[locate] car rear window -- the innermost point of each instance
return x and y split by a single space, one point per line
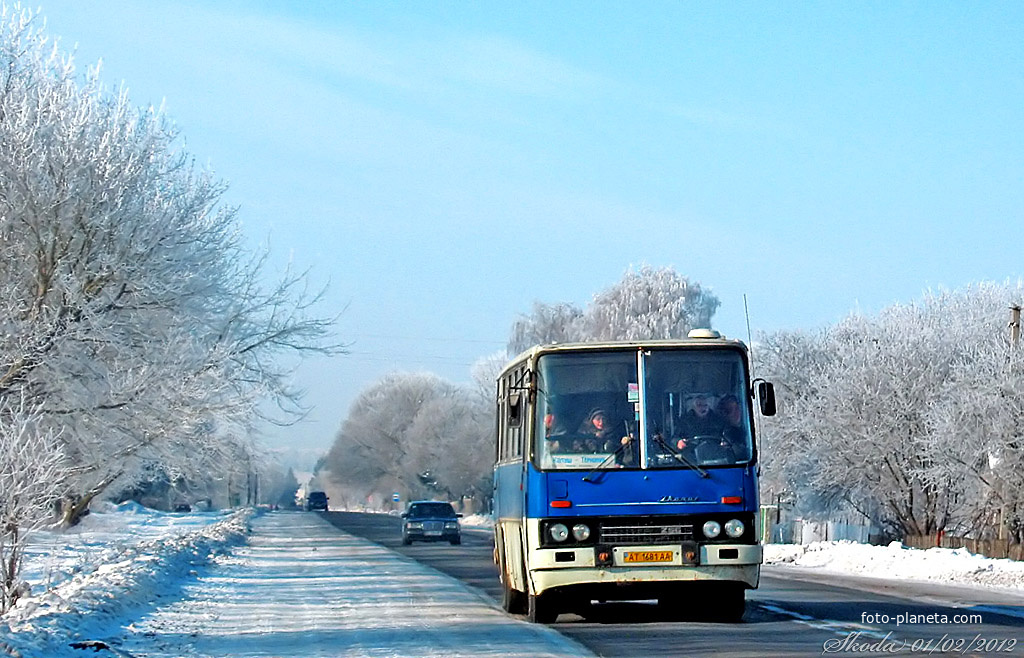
432 509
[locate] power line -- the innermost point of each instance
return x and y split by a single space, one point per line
430 338
415 358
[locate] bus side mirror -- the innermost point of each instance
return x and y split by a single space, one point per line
766 396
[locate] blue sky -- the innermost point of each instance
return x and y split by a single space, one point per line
444 164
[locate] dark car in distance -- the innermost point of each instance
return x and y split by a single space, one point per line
431 520
316 500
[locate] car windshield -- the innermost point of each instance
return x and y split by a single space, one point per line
424 510
695 406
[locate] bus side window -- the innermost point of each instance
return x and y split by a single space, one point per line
515 410
512 410
504 430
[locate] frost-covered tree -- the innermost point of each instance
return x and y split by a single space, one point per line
130 314
451 443
977 424
484 373
33 473
279 487
554 323
371 448
416 434
647 303
910 416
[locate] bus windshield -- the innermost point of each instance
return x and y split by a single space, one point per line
697 408
693 409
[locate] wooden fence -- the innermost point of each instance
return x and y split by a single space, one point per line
998 548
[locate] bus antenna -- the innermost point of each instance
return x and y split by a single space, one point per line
750 350
750 340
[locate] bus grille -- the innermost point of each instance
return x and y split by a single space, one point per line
621 531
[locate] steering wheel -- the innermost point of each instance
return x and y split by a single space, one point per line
702 439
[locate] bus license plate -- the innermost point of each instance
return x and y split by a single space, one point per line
647 556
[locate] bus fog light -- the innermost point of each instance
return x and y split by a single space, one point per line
712 529
734 528
581 532
558 532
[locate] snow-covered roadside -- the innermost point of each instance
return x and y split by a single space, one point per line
123 575
54 556
300 588
940 565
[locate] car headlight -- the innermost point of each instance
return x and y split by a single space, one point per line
414 525
451 525
712 529
559 532
734 528
581 532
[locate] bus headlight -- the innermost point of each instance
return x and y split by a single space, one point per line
558 532
712 529
734 528
581 532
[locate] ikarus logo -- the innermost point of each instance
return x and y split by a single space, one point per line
678 499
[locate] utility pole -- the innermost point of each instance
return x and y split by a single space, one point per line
1014 341
1014 325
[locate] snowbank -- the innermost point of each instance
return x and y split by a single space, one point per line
478 521
123 572
944 565
53 556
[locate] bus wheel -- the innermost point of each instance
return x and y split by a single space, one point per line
540 609
512 601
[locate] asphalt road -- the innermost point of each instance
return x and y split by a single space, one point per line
791 614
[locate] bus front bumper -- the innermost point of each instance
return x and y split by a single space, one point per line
551 568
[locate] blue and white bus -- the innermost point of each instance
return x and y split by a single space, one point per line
658 500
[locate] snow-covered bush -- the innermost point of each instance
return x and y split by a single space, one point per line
33 473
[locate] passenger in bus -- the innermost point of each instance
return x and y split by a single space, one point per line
732 420
733 430
554 432
596 433
699 421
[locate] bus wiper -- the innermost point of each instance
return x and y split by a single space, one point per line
682 459
604 462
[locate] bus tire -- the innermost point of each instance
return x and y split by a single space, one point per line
512 601
541 609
